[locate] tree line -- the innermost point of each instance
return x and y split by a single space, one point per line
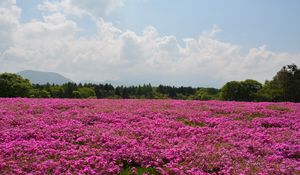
285 86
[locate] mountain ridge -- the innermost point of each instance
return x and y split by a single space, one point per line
39 77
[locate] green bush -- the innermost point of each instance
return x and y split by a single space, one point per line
12 85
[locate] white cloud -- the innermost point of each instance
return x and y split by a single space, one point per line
95 8
213 32
9 21
51 44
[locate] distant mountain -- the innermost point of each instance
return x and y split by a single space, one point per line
37 77
89 82
115 83
112 82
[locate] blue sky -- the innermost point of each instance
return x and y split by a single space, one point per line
246 23
178 42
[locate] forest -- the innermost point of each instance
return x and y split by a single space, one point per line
285 86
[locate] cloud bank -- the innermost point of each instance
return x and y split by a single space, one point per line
51 44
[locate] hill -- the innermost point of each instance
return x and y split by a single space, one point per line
37 77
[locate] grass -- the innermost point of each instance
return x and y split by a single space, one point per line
251 116
278 108
190 123
133 168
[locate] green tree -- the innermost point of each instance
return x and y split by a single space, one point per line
56 91
288 80
76 94
205 94
84 92
68 89
269 92
232 91
37 93
12 85
146 91
250 88
240 91
117 91
125 93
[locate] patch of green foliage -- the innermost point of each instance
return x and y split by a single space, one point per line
190 123
253 116
128 169
250 116
13 85
278 108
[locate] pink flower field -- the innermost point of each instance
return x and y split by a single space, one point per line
57 136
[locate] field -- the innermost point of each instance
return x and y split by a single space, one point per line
56 136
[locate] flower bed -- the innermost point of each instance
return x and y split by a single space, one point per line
60 136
